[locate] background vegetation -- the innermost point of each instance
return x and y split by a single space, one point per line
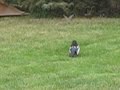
34 54
57 8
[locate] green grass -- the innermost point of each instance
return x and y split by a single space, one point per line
34 54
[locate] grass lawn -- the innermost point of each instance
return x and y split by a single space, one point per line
34 54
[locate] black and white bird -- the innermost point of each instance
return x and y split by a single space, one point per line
74 49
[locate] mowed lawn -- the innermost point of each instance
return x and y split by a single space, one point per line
34 54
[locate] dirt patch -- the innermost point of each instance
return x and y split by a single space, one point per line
6 10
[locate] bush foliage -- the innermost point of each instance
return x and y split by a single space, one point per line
58 8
